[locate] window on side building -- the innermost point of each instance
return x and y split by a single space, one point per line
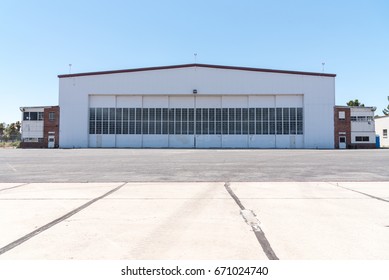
385 133
33 116
361 118
362 139
51 116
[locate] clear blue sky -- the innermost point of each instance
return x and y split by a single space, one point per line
39 39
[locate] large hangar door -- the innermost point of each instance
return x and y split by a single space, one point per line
254 121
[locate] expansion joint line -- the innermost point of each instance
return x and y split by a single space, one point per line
56 221
14 187
366 194
251 219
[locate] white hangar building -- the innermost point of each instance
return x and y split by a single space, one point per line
197 106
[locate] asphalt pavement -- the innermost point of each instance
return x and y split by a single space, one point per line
188 165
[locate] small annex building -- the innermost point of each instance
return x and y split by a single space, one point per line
382 128
354 127
40 127
197 106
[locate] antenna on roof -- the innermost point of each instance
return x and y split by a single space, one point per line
322 64
195 57
70 68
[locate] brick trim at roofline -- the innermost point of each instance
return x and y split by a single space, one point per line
196 65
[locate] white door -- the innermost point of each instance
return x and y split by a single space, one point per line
99 141
342 142
293 142
51 141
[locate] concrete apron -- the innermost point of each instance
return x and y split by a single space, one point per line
196 221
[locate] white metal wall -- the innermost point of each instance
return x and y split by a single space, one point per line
32 128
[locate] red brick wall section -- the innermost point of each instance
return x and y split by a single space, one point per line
342 126
362 146
51 125
32 145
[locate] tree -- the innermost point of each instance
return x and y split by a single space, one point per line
355 103
386 110
12 132
18 125
2 128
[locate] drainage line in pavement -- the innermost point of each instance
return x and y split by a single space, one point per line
259 234
369 195
18 186
53 223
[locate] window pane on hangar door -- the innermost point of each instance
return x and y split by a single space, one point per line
236 109
181 115
126 106
208 115
155 114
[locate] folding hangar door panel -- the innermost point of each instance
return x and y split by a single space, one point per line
235 121
289 121
100 111
181 121
276 121
155 122
208 122
261 121
129 125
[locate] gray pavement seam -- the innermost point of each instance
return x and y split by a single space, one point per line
56 221
259 234
14 187
366 194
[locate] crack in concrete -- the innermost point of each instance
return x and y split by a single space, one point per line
56 221
251 219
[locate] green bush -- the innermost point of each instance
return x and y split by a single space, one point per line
14 144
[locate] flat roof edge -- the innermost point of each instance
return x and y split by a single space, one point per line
196 65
